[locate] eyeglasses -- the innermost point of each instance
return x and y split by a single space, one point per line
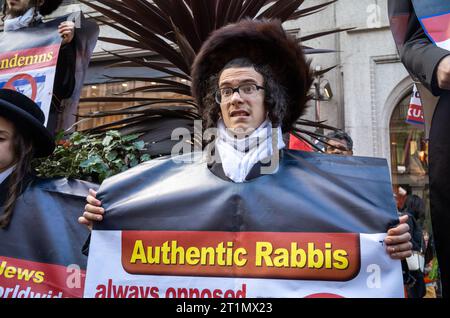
225 94
337 147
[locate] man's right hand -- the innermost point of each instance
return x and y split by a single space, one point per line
443 73
93 211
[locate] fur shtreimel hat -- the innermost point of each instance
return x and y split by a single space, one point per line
264 42
49 6
26 115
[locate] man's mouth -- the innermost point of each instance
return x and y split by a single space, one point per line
239 113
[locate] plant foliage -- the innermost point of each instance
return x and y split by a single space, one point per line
92 157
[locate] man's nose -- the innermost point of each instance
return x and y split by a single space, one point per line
236 97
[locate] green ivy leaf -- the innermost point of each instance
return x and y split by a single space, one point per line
113 133
131 157
145 158
107 141
92 157
134 163
92 161
132 137
139 145
111 156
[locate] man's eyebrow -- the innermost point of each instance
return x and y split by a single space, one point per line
245 81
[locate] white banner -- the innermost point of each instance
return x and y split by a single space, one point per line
28 64
361 269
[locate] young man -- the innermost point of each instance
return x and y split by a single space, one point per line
19 14
251 82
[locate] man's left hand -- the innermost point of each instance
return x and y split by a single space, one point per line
67 31
397 242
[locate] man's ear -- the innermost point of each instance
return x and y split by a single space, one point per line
40 2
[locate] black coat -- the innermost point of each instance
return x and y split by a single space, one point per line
4 186
44 227
64 83
421 57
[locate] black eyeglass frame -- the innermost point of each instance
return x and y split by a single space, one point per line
237 89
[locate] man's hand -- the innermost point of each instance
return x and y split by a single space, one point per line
93 211
397 242
443 73
67 31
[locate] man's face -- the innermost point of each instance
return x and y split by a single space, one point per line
6 144
340 147
17 7
242 113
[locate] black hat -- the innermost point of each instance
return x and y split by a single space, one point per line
49 6
27 115
264 42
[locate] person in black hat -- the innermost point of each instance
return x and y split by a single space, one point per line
18 14
23 137
251 81
38 228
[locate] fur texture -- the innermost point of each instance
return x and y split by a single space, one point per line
264 42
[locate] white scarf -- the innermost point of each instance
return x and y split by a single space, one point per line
23 21
238 156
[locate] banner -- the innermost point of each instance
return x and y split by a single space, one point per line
28 59
41 250
434 16
415 110
313 229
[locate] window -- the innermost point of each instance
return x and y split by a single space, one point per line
409 155
113 90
